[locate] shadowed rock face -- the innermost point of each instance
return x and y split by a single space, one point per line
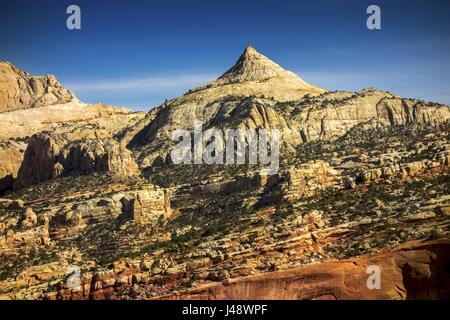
20 90
11 155
49 156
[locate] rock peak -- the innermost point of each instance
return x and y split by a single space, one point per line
254 74
253 66
249 49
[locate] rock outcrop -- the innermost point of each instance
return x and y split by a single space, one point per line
50 155
412 271
308 178
20 90
146 205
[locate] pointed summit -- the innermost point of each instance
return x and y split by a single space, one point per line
249 49
254 74
253 66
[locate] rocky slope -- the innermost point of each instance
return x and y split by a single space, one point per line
254 73
21 124
205 227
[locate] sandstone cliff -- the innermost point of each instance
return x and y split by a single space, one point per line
49 156
412 271
20 90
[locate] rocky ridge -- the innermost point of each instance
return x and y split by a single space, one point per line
20 90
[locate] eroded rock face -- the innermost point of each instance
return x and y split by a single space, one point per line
20 90
309 178
11 155
146 206
398 111
73 120
412 271
50 155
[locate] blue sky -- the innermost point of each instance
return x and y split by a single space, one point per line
138 53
